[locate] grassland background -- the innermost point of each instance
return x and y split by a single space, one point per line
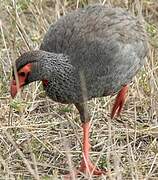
41 139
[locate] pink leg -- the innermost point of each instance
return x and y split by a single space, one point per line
119 102
86 165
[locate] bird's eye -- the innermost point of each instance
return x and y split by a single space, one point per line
22 74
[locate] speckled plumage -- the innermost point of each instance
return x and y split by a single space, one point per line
103 46
91 52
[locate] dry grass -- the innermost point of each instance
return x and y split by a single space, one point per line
40 139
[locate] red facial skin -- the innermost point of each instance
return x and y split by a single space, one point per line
22 74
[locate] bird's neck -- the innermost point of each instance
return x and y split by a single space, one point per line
48 66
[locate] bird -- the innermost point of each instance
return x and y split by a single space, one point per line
88 53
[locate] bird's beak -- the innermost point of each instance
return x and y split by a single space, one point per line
13 88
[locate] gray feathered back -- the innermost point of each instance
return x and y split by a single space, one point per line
107 44
103 46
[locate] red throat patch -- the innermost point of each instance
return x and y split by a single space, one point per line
45 82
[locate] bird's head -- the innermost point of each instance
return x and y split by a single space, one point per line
26 70
37 65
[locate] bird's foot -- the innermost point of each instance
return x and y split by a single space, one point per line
119 102
90 169
86 168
